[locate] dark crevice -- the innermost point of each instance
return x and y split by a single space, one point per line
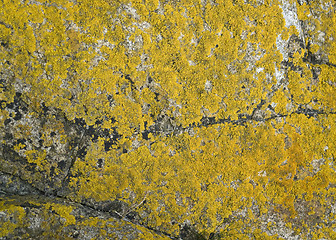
189 233
80 143
37 190
287 64
312 59
242 120
7 25
105 210
80 153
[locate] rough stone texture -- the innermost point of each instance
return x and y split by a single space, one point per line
42 217
74 165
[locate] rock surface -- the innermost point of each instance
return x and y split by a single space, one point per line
167 119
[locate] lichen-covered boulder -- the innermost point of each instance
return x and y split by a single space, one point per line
171 119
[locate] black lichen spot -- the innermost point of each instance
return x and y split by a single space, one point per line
61 165
115 135
113 120
82 153
262 102
206 121
156 96
31 167
29 205
52 171
44 108
7 121
98 122
18 94
100 163
110 99
145 135
18 116
4 44
52 134
108 144
21 141
91 131
24 109
80 122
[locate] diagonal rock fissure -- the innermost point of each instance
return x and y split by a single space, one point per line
35 191
242 119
